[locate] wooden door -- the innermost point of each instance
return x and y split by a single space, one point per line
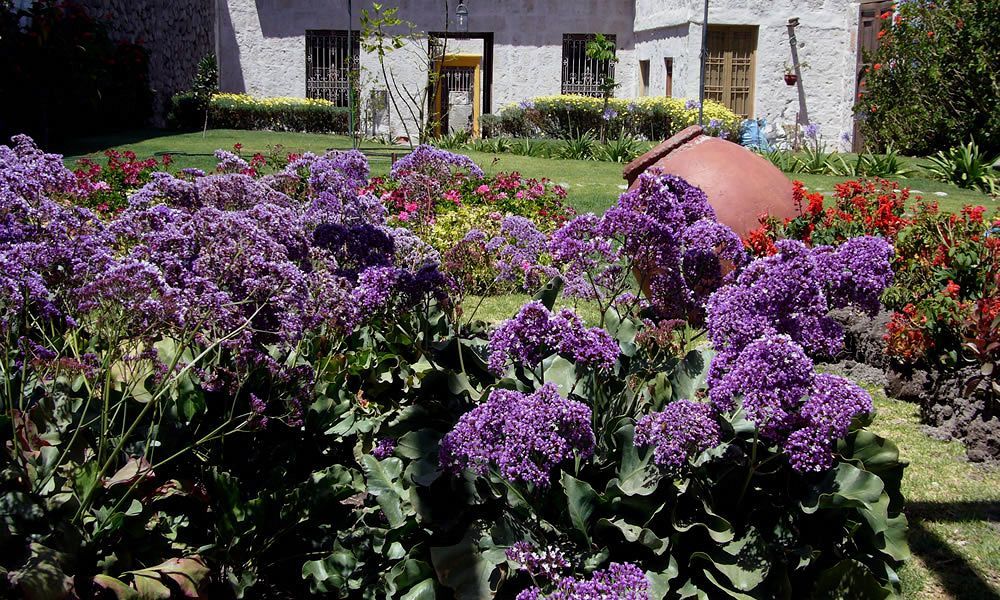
729 67
869 25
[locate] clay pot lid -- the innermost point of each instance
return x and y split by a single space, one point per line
647 160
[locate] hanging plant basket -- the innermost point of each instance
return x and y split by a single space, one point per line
791 78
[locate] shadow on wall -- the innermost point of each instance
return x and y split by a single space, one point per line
230 67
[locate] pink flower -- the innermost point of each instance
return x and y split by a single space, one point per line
411 207
403 216
454 196
482 189
519 195
502 195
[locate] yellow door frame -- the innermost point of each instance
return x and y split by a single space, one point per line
460 60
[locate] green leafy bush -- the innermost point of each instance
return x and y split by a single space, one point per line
238 111
934 82
966 167
228 390
650 118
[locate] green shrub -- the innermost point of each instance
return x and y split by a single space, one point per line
934 81
239 111
185 111
567 116
967 167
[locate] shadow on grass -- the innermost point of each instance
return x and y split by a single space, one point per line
954 572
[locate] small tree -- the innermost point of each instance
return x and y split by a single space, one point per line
378 37
206 85
602 49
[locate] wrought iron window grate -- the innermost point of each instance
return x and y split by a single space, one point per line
329 64
581 74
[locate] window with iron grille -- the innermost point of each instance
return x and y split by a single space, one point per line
581 74
329 64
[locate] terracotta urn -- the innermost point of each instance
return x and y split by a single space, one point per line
740 185
791 78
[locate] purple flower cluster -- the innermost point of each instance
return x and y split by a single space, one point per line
523 436
535 333
546 562
620 581
517 249
678 433
220 255
665 232
434 162
384 448
767 324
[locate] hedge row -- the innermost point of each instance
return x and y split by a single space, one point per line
240 111
570 116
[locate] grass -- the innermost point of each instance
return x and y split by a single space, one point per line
591 185
953 506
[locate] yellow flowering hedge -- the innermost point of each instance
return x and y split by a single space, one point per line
241 111
651 117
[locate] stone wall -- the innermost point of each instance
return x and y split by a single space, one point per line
176 33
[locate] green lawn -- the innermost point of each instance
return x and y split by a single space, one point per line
953 506
592 185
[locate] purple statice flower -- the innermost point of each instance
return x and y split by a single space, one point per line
589 262
808 450
714 124
649 223
773 375
30 174
812 131
523 436
620 581
692 104
230 163
545 562
355 248
856 272
788 291
678 433
609 114
384 448
375 290
441 164
518 249
132 294
258 412
526 104
535 333
193 172
411 252
834 403
337 172
710 249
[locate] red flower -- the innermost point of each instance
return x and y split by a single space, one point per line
877 66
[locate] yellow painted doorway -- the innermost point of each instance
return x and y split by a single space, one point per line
458 94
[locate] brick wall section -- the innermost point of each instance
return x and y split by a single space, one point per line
177 35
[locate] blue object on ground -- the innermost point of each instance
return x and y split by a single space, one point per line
752 134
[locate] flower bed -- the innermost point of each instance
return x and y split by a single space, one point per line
944 327
569 116
257 385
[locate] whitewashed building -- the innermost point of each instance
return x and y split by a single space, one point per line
509 51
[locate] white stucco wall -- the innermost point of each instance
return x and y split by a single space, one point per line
262 43
826 40
262 48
